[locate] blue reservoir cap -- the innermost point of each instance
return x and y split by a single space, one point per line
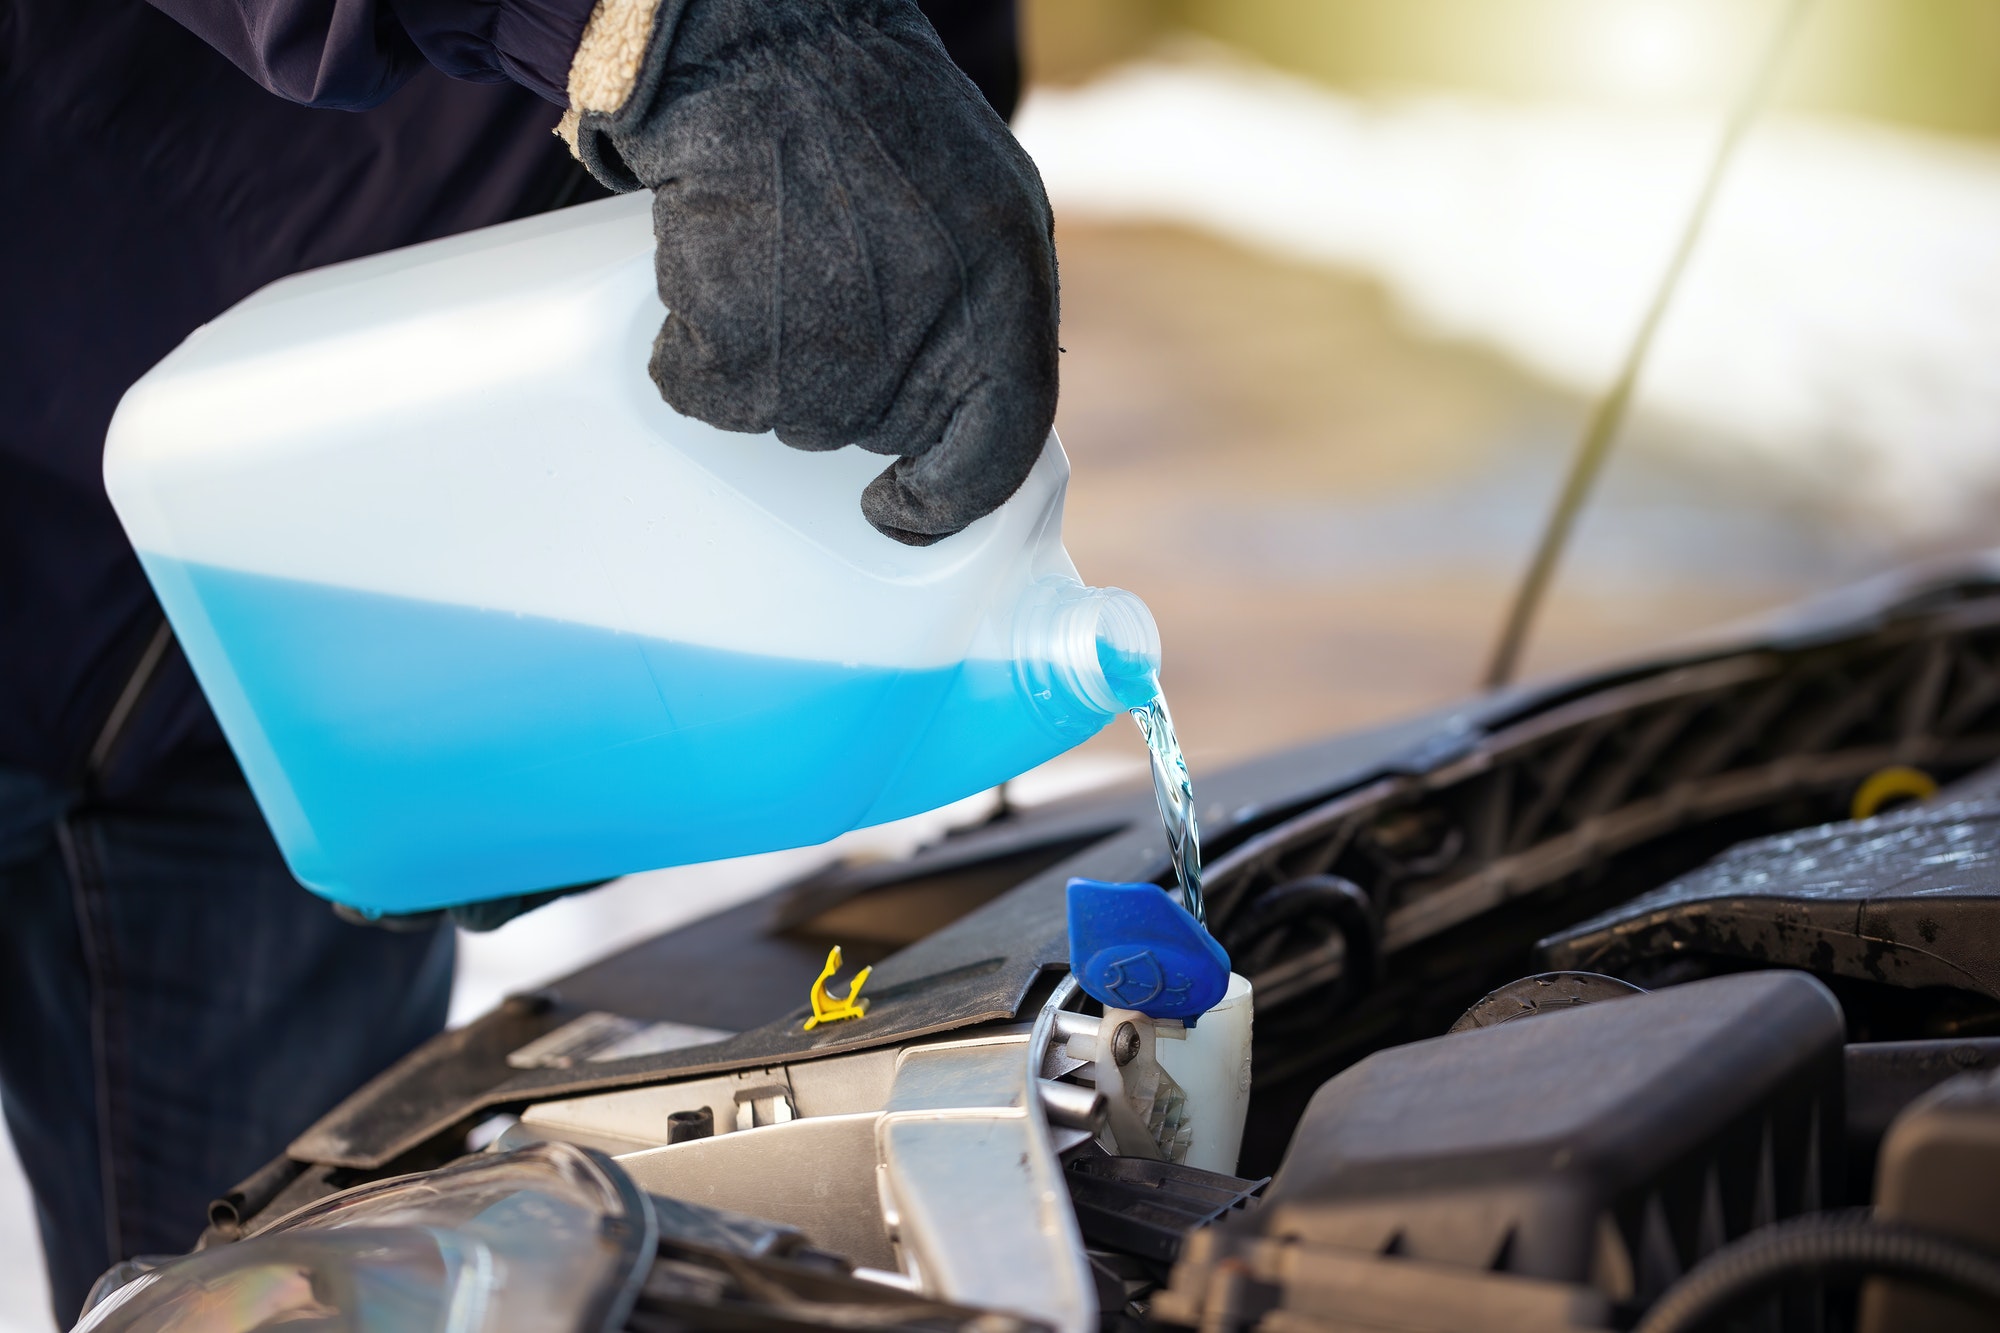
1133 947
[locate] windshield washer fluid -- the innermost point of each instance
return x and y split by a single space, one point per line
481 615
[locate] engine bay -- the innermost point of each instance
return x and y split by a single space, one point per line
1565 1009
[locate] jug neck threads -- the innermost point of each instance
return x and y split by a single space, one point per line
1086 653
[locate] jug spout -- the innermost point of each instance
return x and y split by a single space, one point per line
1086 653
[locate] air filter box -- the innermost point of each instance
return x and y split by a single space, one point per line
1538 1174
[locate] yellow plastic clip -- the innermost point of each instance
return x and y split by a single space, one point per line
827 1009
1896 783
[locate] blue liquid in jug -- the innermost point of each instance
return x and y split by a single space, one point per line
410 754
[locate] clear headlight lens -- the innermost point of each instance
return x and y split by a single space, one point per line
548 1239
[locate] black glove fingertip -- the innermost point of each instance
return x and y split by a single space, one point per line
890 508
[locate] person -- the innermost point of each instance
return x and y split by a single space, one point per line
853 251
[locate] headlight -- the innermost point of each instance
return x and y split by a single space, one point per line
548 1239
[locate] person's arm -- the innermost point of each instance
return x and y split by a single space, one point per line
852 248
351 54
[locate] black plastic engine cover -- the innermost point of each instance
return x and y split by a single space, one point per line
1910 898
1602 1149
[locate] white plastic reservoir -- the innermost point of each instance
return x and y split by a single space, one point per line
481 615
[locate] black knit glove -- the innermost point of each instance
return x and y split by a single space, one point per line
852 248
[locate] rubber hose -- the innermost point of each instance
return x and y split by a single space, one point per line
1850 1243
1330 898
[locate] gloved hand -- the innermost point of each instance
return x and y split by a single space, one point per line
852 248
479 917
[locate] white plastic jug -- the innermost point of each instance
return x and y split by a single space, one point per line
481 615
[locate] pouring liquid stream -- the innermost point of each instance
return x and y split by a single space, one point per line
1174 791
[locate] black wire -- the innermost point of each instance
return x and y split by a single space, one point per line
1824 1245
1609 414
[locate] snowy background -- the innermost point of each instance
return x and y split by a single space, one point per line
1840 318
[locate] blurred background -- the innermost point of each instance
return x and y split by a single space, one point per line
1341 279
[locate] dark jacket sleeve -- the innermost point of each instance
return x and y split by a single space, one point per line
351 54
